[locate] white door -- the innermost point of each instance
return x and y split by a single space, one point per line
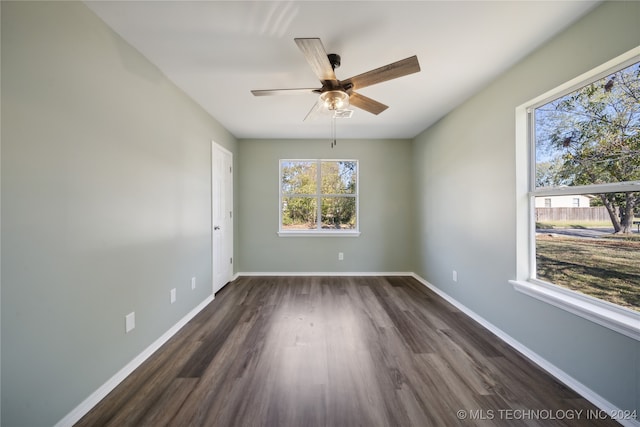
222 215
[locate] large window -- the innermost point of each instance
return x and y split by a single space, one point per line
318 197
582 199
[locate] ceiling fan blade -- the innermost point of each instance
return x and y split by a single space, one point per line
366 103
269 92
387 72
316 56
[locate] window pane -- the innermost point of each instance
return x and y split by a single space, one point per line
339 177
299 177
591 135
339 213
299 213
593 249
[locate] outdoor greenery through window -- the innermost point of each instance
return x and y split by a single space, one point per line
318 195
586 188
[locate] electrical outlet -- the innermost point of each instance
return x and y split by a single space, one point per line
193 283
129 322
455 276
340 256
173 295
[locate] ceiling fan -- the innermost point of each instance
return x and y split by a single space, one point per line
336 95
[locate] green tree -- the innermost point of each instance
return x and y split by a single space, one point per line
593 135
547 173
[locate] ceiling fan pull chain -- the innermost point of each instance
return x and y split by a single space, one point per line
333 131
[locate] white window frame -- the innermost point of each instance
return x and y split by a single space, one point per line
319 232
612 316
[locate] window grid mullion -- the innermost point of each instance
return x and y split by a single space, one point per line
319 195
613 187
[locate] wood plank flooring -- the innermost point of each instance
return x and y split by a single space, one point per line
337 351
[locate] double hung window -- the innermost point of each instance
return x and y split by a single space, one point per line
318 197
580 248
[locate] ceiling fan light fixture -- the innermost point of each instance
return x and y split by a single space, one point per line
335 99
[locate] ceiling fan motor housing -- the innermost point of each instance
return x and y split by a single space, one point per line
334 59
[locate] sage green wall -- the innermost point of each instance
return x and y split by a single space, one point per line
106 205
385 209
464 173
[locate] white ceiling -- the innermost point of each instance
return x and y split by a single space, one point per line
217 51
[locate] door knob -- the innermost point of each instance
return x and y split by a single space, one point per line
216 227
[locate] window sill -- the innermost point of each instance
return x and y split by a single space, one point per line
308 233
609 315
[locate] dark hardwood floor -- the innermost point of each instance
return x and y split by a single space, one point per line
337 351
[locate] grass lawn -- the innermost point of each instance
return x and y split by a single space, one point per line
573 224
607 268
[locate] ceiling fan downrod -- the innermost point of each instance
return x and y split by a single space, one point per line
334 60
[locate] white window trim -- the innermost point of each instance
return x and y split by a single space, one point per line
320 233
612 316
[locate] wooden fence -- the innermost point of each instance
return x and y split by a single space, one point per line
598 213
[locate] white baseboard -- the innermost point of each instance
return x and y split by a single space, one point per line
584 391
324 273
79 411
